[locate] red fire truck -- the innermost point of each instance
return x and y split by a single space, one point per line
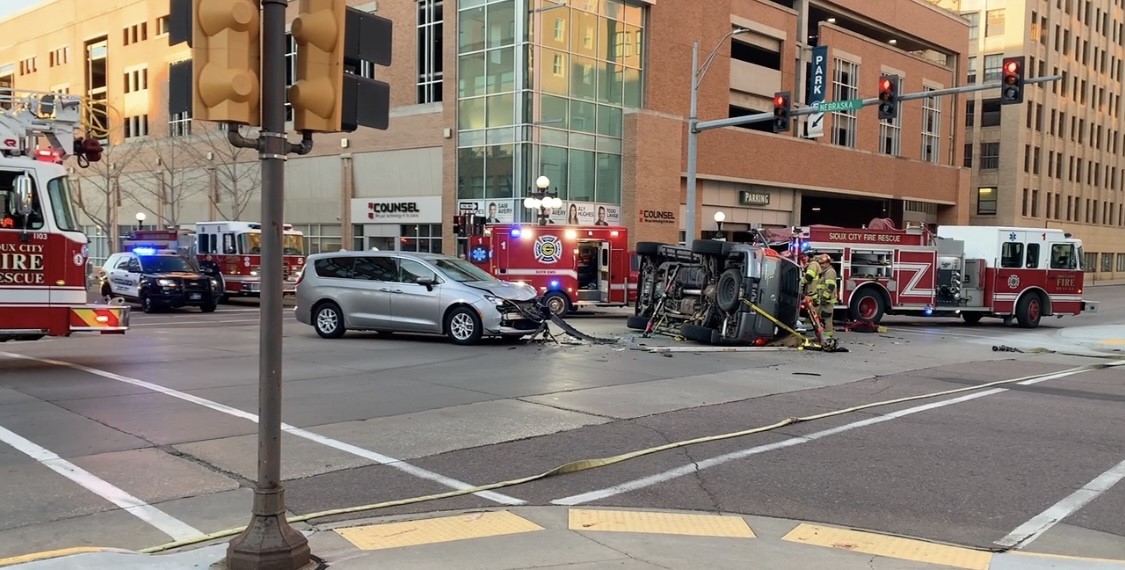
571 266
234 250
967 271
44 275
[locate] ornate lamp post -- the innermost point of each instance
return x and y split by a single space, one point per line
543 200
720 217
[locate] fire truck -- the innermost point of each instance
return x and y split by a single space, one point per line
44 271
233 251
570 266
966 271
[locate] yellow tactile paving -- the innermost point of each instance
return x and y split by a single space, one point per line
431 531
659 523
890 546
46 555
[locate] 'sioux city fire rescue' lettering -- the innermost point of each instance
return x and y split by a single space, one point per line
864 237
21 264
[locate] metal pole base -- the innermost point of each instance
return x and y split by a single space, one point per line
269 543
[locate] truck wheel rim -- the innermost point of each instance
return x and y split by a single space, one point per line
556 305
1033 309
461 325
326 320
867 307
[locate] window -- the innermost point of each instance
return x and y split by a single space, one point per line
60 192
162 25
986 201
993 23
889 137
1011 255
179 124
136 126
968 155
136 80
974 24
989 155
60 56
1089 262
1062 256
376 269
970 113
971 76
28 66
1121 262
931 128
844 87
290 72
9 212
410 271
1107 262
992 66
335 267
425 238
430 50
1032 256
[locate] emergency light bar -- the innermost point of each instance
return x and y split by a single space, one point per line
144 250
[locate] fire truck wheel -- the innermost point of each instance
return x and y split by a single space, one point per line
867 305
463 326
1029 311
972 318
328 320
728 289
557 303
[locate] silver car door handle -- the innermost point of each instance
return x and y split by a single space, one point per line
397 291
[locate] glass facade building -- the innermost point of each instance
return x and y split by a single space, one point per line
541 91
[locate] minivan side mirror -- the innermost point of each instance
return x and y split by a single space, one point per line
427 281
23 195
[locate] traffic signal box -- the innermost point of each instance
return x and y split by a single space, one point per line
332 42
782 107
888 97
1011 86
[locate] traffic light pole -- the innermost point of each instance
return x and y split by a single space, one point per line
268 541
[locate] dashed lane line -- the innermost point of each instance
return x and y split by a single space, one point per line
159 519
375 457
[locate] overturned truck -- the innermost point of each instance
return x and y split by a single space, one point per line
717 292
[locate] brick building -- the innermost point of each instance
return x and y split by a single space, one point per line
1056 161
488 95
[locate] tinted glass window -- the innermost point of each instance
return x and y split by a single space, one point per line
165 264
123 263
411 271
376 268
1032 256
334 267
1011 255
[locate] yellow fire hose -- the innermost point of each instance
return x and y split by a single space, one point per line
588 464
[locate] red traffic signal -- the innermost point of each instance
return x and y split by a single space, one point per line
778 101
782 106
885 86
1011 88
888 97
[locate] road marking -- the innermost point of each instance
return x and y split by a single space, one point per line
691 468
889 546
722 526
186 323
49 554
432 531
163 522
327 441
1041 523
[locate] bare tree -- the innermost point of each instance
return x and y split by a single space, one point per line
234 174
165 176
98 189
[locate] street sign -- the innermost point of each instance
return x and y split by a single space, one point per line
815 91
837 106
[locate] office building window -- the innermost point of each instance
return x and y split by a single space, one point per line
986 201
989 155
889 138
992 64
424 238
994 23
844 86
430 50
931 128
974 24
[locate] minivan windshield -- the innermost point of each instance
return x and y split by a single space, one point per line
461 271
165 264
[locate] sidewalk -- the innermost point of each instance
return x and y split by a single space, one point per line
1105 283
584 538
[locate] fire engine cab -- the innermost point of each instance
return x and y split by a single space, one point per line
570 266
44 274
233 250
967 271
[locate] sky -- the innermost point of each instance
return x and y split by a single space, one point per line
8 7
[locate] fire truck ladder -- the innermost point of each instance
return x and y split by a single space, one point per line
25 116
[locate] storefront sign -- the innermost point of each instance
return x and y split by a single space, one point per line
587 214
494 211
21 264
747 198
657 217
397 210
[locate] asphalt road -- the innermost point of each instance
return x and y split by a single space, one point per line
162 421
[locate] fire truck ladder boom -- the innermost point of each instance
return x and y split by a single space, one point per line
27 115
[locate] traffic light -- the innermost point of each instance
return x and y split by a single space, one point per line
333 41
782 106
888 97
222 78
1011 87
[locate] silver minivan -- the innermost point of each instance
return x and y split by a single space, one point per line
394 291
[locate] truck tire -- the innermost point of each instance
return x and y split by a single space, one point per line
1029 311
637 323
867 305
727 290
648 248
972 318
711 247
558 303
697 333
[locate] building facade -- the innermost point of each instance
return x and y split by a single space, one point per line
1056 161
490 95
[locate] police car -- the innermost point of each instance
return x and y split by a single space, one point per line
159 279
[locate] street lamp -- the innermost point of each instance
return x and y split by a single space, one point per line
697 74
140 220
543 200
720 217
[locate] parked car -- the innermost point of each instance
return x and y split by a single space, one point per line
159 279
393 291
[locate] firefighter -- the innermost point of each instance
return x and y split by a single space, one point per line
812 273
824 291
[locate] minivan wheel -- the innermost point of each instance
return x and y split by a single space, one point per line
464 326
328 321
